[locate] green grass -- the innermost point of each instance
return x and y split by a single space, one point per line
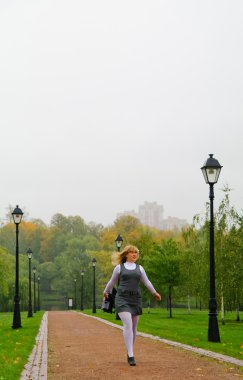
16 345
189 329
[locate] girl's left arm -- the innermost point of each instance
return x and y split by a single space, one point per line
148 284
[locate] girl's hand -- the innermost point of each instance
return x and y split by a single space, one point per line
106 295
157 296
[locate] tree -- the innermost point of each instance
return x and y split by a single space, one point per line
6 279
194 261
72 225
163 267
228 252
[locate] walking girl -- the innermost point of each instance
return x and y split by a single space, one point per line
128 300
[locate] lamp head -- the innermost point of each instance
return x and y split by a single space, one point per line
94 262
17 215
211 170
29 253
119 241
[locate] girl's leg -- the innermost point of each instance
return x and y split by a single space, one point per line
135 319
126 318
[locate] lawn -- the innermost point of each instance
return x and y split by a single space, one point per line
189 329
16 345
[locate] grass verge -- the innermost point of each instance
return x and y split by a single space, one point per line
16 345
189 329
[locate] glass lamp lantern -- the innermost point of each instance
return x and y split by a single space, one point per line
29 253
17 215
211 170
119 241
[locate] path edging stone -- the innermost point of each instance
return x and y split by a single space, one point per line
36 367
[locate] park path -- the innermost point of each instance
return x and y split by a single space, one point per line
80 347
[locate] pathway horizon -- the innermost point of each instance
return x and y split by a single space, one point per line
83 347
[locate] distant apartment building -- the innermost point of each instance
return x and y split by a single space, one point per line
151 214
125 213
173 223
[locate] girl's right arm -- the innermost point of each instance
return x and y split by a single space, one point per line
113 280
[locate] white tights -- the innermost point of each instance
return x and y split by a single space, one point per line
130 323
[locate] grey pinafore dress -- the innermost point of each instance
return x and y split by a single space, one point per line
128 296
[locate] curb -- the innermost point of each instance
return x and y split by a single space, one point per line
200 351
36 367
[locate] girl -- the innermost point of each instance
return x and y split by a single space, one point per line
128 298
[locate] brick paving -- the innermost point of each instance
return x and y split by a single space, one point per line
80 347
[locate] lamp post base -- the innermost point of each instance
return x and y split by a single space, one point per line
213 328
16 317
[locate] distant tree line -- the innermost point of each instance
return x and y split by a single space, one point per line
177 262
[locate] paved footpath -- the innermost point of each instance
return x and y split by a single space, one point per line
84 348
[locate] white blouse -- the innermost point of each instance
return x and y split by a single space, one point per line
130 266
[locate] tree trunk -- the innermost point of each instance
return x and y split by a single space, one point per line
238 314
222 306
189 303
170 306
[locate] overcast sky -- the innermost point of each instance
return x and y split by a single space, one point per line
107 104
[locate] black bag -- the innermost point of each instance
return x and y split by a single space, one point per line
106 306
109 304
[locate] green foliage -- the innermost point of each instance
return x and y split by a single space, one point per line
195 262
6 267
71 225
69 265
145 242
6 279
48 272
126 225
7 237
228 253
162 265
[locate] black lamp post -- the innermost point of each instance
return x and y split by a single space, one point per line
211 170
75 293
17 217
118 242
12 294
82 290
38 299
30 313
35 306
94 303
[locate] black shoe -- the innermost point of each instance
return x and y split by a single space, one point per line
131 360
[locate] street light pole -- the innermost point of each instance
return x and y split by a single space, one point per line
211 170
82 291
94 292
38 300
118 242
30 313
17 217
35 307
